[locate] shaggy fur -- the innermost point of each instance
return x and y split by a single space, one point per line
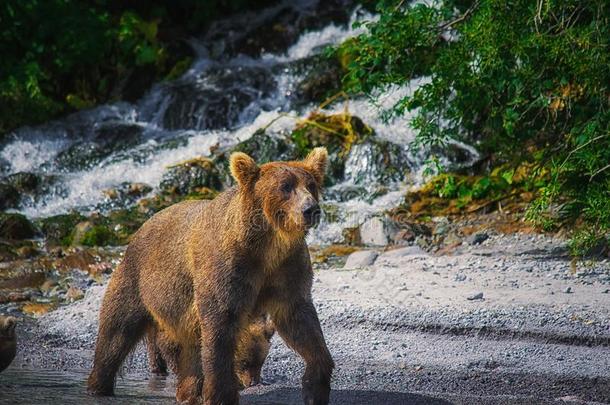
199 270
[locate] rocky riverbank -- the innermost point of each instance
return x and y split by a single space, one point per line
507 320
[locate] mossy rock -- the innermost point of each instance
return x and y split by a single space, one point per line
321 79
263 147
57 229
87 233
187 177
337 132
24 182
16 227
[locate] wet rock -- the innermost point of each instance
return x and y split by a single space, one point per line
478 238
58 229
361 259
263 147
107 138
375 161
124 194
16 227
190 176
9 196
460 157
24 182
275 30
217 99
23 188
322 79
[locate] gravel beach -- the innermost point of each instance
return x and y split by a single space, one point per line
509 320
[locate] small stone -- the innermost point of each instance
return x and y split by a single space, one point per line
360 259
477 296
478 238
606 291
568 290
460 277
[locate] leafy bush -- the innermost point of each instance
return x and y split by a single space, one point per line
523 79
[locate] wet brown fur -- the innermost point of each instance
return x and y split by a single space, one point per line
198 271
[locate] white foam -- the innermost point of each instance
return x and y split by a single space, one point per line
311 41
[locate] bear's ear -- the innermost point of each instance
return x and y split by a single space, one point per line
316 163
243 169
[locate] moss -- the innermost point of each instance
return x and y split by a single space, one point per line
99 235
58 229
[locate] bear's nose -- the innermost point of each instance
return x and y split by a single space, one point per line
311 213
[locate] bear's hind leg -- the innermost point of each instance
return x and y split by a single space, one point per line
156 361
122 324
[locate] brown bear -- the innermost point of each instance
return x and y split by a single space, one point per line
252 349
199 270
8 341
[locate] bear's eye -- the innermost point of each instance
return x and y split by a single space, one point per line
286 187
311 186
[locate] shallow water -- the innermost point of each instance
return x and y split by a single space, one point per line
28 386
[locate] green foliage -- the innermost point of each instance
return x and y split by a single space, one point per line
523 79
99 235
62 55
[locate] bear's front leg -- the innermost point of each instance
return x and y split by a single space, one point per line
221 317
297 323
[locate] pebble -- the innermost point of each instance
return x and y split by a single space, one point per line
568 290
478 238
477 296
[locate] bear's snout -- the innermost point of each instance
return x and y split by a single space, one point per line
311 213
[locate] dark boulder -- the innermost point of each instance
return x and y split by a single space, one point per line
191 176
16 227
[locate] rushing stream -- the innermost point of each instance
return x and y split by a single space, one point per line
218 102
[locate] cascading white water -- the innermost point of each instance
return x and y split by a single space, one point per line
254 92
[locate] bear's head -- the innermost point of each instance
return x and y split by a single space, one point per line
252 350
287 193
